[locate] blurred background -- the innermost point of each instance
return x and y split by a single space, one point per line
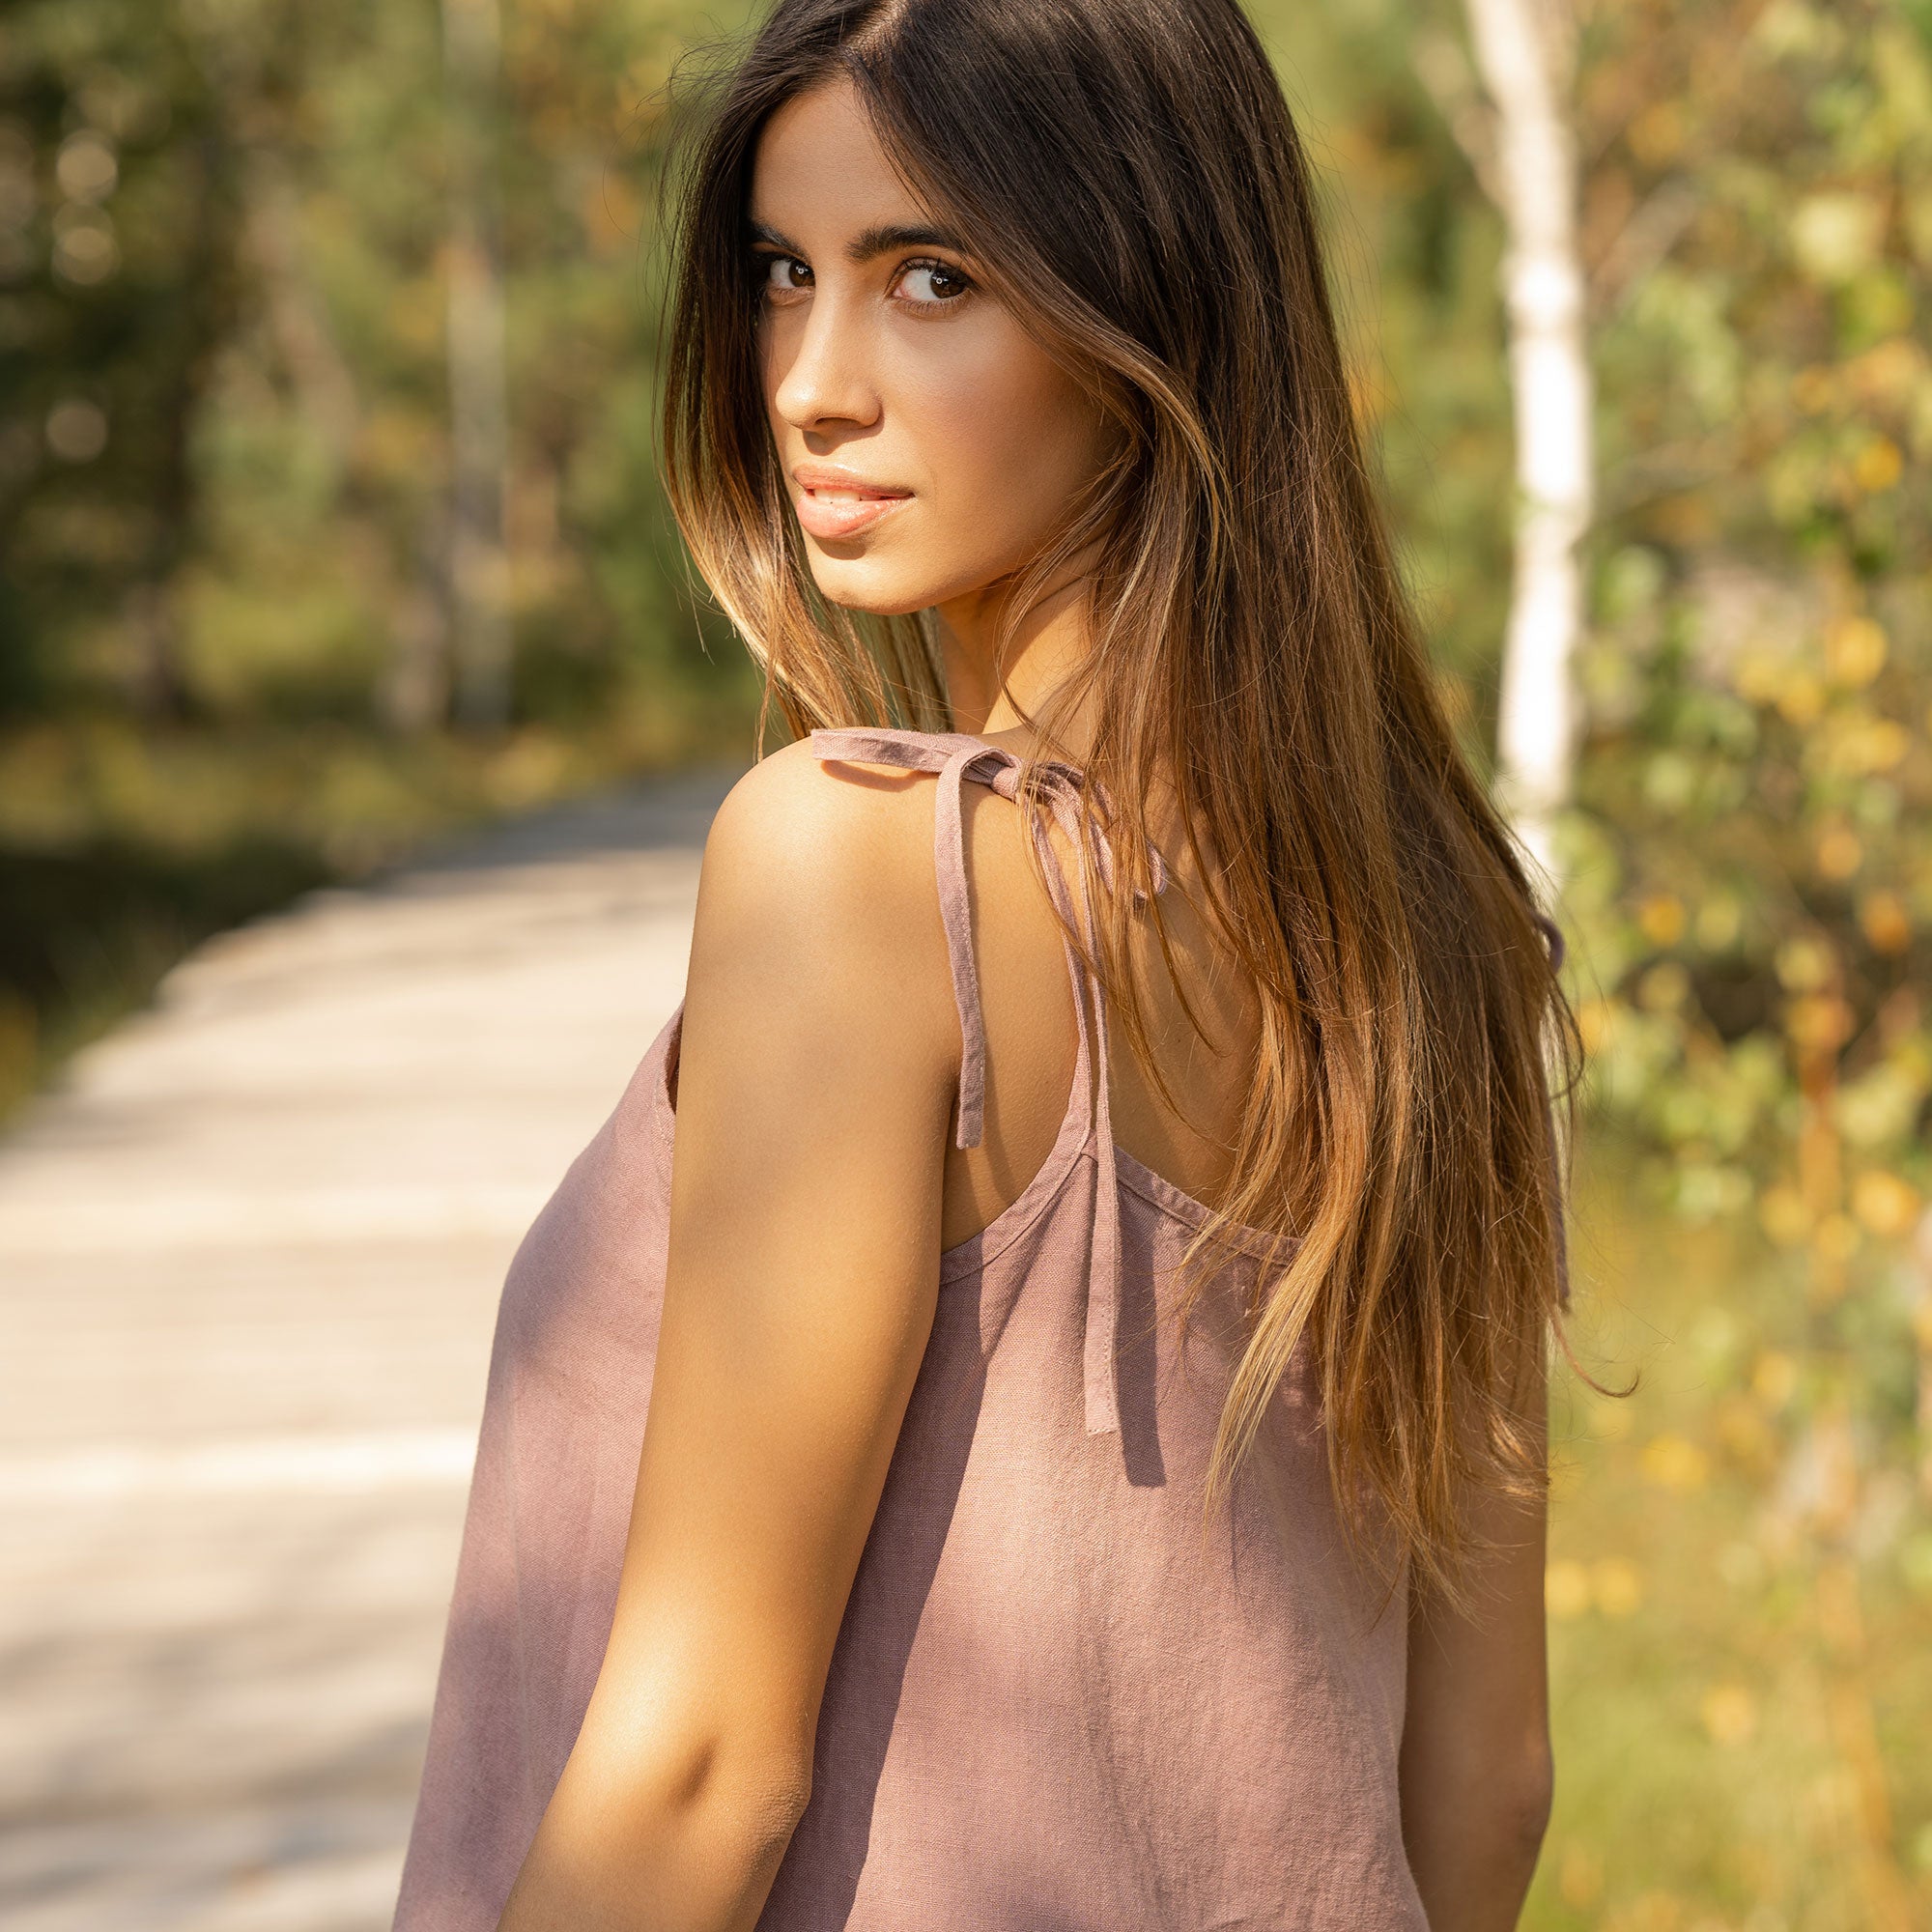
336 586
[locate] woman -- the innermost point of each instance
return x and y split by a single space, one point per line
916 1505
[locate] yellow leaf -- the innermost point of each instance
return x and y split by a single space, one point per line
1878 464
1719 921
1580 1875
1837 1237
1885 920
1818 1022
1663 988
1855 647
1730 1714
1744 1432
1783 1215
1887 1205
1759 676
1661 918
1566 1590
1802 698
1804 964
1675 1462
1839 853
1595 1020
1883 377
1657 133
1774 1379
1617 1586
1886 745
1812 389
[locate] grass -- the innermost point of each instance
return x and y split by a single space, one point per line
1741 1619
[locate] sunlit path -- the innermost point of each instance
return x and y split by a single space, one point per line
248 1260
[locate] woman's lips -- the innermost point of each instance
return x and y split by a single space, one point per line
832 510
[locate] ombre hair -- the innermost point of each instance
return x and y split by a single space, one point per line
1130 181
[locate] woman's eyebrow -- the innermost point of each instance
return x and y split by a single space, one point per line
883 240
771 237
870 243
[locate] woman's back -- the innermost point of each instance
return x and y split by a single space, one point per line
1032 1023
1061 1695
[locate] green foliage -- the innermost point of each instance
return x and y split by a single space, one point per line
1743 1573
224 452
223 395
1753 868
1415 249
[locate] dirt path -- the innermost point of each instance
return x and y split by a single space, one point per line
248 1262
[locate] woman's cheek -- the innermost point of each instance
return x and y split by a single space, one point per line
987 434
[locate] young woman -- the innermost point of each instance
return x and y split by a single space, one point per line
1060 1444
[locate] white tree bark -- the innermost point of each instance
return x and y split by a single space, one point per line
1524 54
480 564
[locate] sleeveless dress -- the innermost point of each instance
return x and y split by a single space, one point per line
1063 1698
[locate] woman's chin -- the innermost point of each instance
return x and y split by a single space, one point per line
856 584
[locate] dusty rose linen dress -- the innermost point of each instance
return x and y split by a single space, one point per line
1060 1698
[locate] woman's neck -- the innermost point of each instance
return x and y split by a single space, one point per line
1049 646
1046 649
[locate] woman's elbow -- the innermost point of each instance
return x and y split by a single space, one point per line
1528 1799
1473 1822
734 1801
762 1808
1500 1822
698 1825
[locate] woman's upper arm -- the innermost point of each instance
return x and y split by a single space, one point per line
815 1082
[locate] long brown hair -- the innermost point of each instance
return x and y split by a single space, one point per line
1130 182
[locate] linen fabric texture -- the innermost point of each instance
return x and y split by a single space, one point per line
1063 1698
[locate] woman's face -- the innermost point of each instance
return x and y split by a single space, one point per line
928 443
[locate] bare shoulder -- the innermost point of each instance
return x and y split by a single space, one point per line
798 839
818 887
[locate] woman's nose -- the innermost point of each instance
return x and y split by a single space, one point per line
826 380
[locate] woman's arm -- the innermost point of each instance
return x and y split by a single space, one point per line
815 1082
1476 1773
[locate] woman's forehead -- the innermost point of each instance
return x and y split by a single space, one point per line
819 160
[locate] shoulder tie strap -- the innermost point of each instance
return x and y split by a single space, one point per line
957 756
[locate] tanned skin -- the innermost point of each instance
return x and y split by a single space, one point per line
814 1186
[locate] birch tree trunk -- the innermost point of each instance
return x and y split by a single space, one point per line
479 435
1526 55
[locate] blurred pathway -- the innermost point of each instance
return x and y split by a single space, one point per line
249 1259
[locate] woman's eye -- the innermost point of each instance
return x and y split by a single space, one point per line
929 284
784 274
